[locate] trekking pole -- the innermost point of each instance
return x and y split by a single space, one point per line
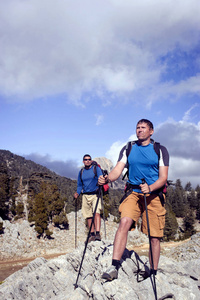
103 213
105 172
151 253
75 222
86 243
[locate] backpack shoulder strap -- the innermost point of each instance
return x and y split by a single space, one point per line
128 150
94 164
129 147
156 147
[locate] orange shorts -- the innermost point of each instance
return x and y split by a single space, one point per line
134 206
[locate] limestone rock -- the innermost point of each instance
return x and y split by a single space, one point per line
55 279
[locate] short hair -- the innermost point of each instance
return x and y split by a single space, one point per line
149 123
87 155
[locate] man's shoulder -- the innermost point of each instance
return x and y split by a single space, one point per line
163 148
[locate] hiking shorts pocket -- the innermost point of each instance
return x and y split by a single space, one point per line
161 220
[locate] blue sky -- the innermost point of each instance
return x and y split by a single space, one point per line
76 76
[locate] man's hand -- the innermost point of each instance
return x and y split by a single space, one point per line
102 179
145 189
76 195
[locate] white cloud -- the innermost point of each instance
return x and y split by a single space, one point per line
113 152
184 169
187 117
181 138
76 47
99 119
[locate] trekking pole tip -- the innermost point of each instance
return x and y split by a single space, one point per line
75 285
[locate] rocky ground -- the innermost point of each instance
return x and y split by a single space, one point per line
58 278
19 244
47 278
20 239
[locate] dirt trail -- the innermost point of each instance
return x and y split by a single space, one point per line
9 267
165 246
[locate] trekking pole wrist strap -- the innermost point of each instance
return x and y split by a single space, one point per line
108 180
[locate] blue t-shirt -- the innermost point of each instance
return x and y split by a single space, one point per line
89 181
143 163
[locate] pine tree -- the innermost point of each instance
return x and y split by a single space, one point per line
192 199
188 187
197 191
46 207
198 212
53 201
188 224
63 221
4 191
171 224
179 200
41 217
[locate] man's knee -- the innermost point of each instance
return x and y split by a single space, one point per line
155 241
125 223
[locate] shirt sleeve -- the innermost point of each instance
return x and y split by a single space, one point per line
164 157
122 155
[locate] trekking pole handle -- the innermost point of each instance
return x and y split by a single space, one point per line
143 181
105 172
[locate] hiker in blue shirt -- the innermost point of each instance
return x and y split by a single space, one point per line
88 184
148 172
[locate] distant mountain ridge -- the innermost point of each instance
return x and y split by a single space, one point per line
17 164
106 164
30 172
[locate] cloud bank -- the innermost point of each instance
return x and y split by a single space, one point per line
53 48
67 168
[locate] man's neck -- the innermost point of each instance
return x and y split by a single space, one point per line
144 142
88 167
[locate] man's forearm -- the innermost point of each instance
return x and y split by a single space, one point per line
116 172
163 174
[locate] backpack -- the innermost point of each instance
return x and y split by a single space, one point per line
156 146
105 172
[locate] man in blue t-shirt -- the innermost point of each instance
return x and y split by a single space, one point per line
88 184
143 163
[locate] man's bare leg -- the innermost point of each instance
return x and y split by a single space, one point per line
97 222
119 247
155 245
89 221
121 237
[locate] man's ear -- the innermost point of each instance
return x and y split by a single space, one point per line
151 132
